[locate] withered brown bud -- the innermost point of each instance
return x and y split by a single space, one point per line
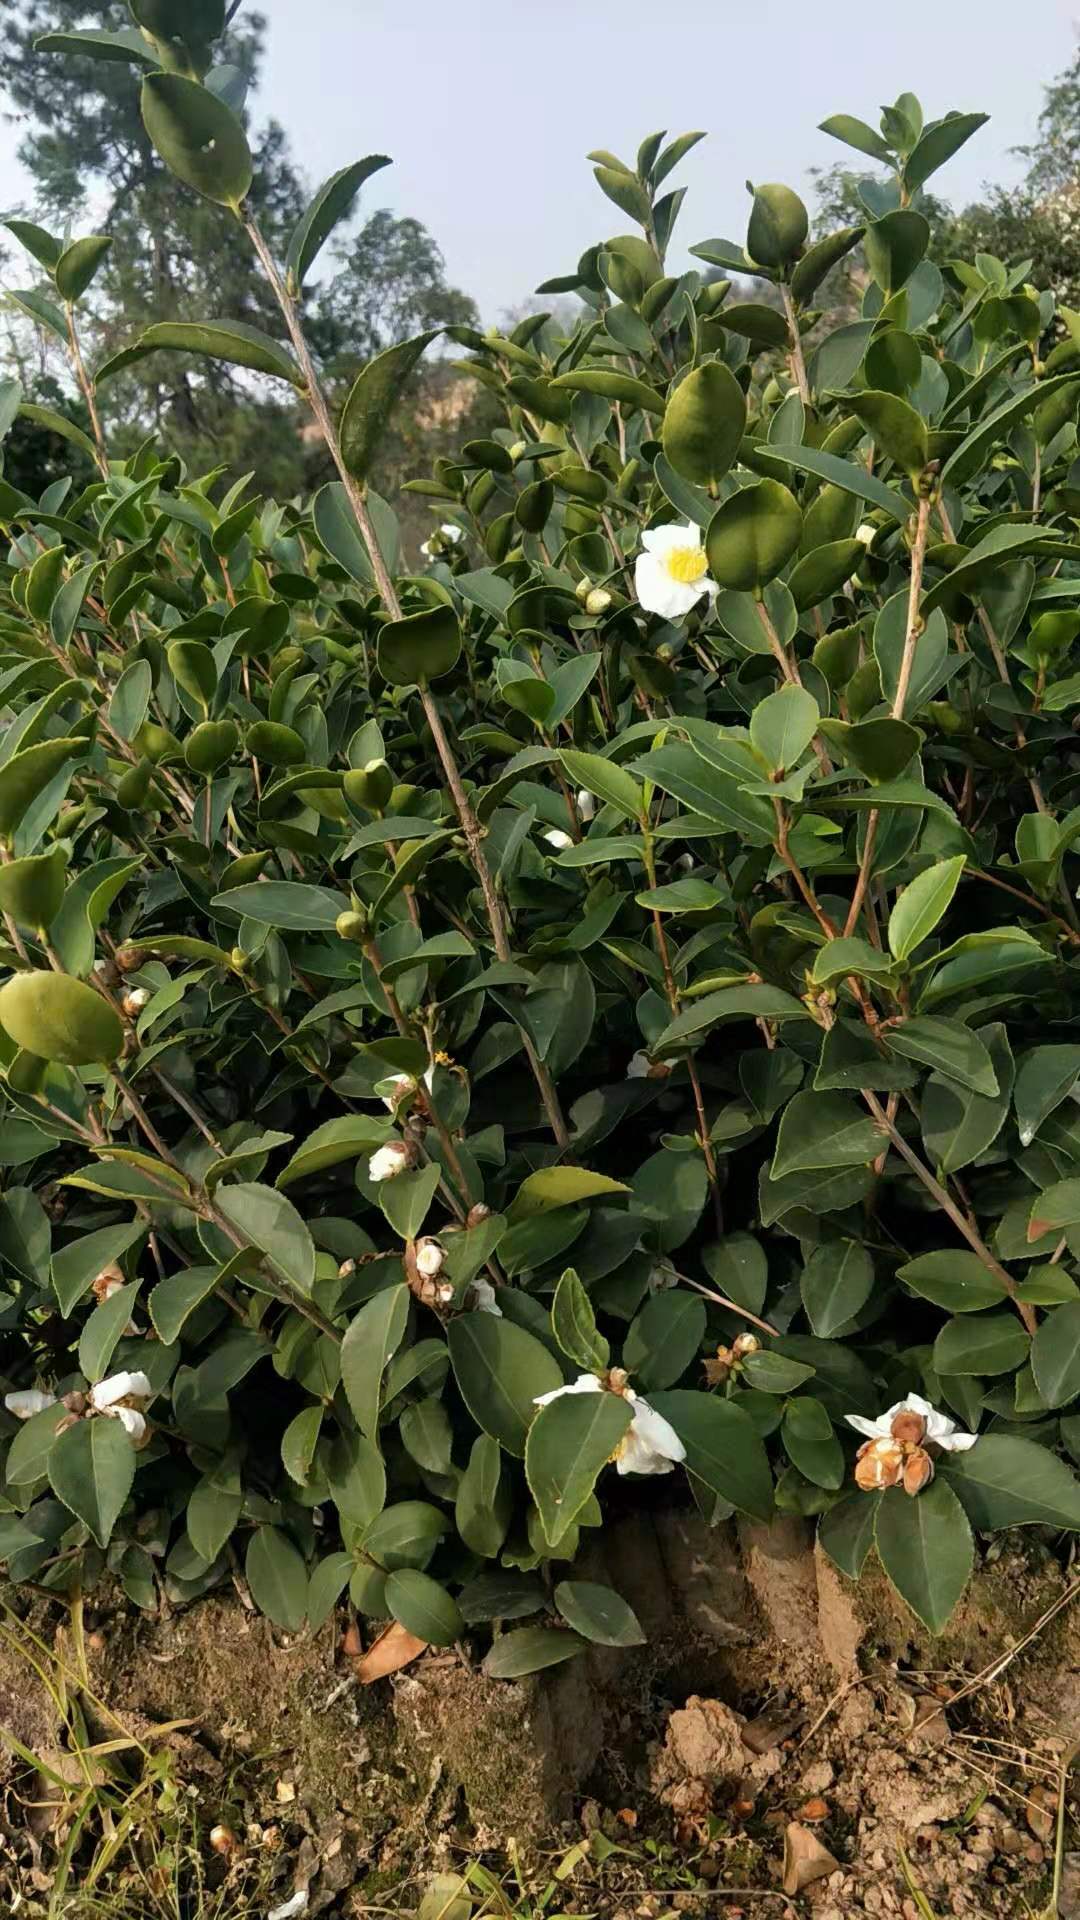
618 1380
918 1471
129 959
477 1213
223 1840
74 1402
718 1368
909 1429
880 1463
107 1282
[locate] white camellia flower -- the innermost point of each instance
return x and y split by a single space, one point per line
397 1085
29 1401
387 1162
556 838
638 1069
672 575
429 1259
586 803
940 1430
447 532
129 1387
650 1444
485 1299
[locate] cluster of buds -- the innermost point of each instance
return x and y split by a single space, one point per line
898 1460
424 1262
595 600
729 1360
899 1448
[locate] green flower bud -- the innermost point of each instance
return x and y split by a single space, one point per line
351 925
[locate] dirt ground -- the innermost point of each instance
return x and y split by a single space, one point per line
779 1735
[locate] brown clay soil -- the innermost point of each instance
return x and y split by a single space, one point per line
769 1727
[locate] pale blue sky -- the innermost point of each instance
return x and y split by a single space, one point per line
489 106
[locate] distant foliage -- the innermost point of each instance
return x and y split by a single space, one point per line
602 1005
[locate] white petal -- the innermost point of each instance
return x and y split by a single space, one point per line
556 838
638 1068
586 803
651 1446
427 550
873 1429
289 1909
120 1386
658 593
663 539
585 1383
31 1400
449 531
131 1420
486 1298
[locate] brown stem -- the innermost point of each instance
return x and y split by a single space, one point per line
789 671
795 357
673 1002
470 825
87 387
948 1205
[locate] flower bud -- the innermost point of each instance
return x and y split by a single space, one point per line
129 959
133 1003
429 1258
586 803
909 1428
556 838
346 1270
918 1471
597 601
745 1343
108 1282
223 1840
351 925
388 1161
880 1463
477 1213
517 450
239 960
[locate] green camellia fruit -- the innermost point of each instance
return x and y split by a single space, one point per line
60 1018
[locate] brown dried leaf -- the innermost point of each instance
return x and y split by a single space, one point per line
393 1649
805 1859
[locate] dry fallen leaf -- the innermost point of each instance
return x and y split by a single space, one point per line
393 1649
805 1859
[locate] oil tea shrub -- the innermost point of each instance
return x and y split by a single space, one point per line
602 1004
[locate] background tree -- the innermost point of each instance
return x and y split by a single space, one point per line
174 256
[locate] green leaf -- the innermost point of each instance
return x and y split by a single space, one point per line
848 474
664 1338
1055 1355
783 725
289 905
1044 1077
895 427
769 1372
424 1608
76 1266
371 1339
611 386
722 1448
984 1343
925 1546
704 423
880 748
811 1444
212 1513
824 1130
276 1574
894 246
24 778
59 1018
598 1614
923 902
573 1323
569 1443
332 204
1007 1482
420 648
753 535
974 449
233 341
855 133
484 1500
730 1003
500 1371
406 1199
104 1330
44 247
329 1579
846 1531
938 144
347 1138
270 1223
530 1650
91 1470
78 264
611 783
954 1279
500 1596
560 1187
175 1299
947 1046
373 398
405 1535
32 890
199 138
837 1281
778 227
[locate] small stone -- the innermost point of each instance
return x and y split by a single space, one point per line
805 1859
284 1793
818 1777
